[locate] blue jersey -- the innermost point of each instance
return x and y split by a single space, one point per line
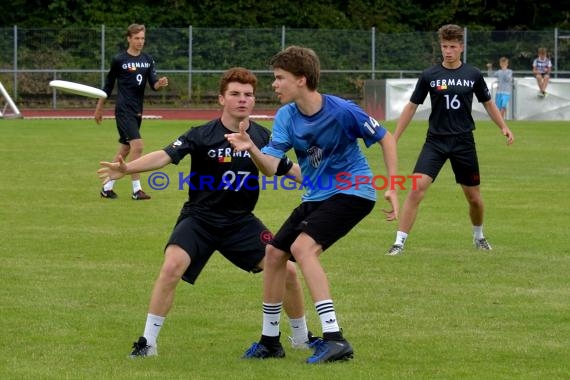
327 149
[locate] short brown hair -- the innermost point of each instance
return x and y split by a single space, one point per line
450 32
237 74
134 29
301 62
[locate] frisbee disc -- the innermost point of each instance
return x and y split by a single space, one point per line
78 89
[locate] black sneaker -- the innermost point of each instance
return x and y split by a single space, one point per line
260 351
109 194
142 349
330 351
140 196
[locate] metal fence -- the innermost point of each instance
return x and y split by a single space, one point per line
193 58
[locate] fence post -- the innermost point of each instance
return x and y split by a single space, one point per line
15 63
373 52
465 45
190 63
283 37
102 55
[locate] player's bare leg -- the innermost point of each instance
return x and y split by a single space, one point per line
476 210
107 190
409 212
176 261
136 151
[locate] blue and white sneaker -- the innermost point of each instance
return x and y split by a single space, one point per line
330 351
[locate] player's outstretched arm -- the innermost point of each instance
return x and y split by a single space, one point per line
116 170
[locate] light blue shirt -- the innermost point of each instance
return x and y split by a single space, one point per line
326 145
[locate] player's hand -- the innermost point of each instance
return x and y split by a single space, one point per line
112 170
98 116
162 82
240 141
509 135
392 197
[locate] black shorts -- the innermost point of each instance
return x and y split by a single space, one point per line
242 242
325 221
461 152
128 125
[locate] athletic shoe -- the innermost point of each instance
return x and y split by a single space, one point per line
482 244
260 351
304 345
140 196
109 194
395 250
330 351
142 349
540 94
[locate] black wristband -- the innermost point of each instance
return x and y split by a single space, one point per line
284 166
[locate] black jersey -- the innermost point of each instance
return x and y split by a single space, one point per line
451 94
222 184
131 74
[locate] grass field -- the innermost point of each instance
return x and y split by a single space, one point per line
76 271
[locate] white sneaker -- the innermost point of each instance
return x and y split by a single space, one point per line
482 244
395 250
298 345
303 345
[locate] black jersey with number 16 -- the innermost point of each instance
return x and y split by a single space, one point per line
451 94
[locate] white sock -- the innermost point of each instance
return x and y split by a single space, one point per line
271 318
325 310
152 328
109 185
299 329
401 238
478 232
136 185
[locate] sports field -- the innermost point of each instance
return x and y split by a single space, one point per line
76 271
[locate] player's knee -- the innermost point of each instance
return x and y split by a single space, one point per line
274 255
176 261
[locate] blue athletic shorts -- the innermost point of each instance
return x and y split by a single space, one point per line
502 100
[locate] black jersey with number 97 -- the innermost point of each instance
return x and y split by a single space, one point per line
222 183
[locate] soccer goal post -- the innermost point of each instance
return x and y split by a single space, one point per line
9 109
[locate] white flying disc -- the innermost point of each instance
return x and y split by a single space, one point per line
78 89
